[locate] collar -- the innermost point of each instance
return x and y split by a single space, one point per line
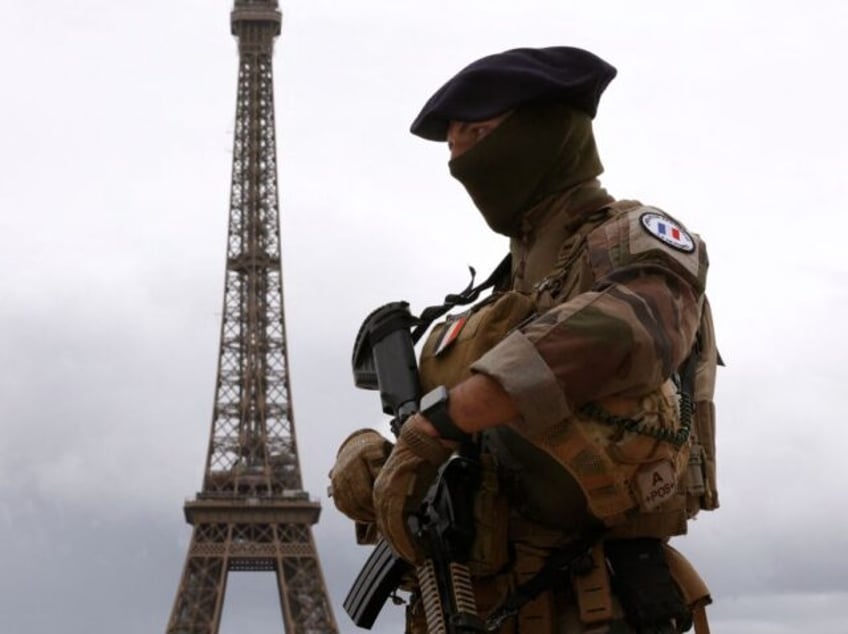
567 209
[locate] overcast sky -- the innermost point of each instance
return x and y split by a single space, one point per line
114 188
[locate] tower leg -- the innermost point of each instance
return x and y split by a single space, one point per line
245 543
200 598
303 593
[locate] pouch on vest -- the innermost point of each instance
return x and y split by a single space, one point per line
634 438
453 345
642 581
699 482
446 357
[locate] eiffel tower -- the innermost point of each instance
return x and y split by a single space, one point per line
252 513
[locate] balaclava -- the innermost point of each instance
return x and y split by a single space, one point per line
539 150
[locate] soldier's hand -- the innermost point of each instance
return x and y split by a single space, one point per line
359 460
403 482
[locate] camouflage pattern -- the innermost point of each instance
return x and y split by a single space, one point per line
614 312
358 462
410 468
617 312
619 320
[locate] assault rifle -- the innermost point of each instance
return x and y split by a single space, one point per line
384 360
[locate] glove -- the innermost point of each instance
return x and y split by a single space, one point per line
402 484
358 461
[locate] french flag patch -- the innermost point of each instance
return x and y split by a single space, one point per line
668 231
450 333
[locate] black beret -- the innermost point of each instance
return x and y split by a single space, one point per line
497 83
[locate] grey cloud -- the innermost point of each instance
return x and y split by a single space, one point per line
112 231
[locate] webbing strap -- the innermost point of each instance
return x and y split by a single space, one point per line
466 296
562 562
594 593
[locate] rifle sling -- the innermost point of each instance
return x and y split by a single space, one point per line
468 295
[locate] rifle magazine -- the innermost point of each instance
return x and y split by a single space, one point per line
378 578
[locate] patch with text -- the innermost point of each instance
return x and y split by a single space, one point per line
656 483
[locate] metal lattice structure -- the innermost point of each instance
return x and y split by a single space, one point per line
252 513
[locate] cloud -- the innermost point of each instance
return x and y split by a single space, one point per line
112 232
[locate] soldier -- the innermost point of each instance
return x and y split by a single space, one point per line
587 377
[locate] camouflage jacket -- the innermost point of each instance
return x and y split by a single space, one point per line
619 293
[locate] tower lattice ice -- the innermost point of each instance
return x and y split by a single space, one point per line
252 513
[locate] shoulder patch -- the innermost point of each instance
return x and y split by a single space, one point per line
668 231
642 235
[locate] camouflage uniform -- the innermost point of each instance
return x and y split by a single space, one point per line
614 310
605 303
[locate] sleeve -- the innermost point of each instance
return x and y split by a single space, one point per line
624 336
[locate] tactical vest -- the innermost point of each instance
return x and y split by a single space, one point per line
588 468
642 480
